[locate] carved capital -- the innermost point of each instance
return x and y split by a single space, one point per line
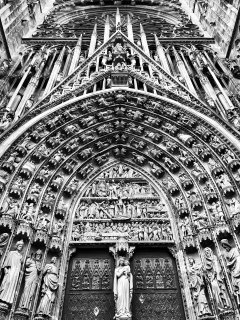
122 248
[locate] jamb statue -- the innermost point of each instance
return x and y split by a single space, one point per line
32 269
49 288
4 237
198 289
232 257
12 268
214 277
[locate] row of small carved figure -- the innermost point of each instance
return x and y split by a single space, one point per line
142 231
28 217
119 171
12 269
140 159
109 210
136 115
116 190
202 221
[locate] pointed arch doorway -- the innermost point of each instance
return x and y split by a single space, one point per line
122 202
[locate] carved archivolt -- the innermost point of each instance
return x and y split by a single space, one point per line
121 162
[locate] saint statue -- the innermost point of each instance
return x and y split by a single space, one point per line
49 288
31 276
233 263
215 279
198 289
12 268
123 287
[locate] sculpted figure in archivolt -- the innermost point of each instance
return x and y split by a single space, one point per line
12 268
123 287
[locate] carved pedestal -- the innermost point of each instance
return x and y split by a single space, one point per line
21 314
3 311
123 318
41 317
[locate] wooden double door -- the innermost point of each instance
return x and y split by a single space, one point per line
89 292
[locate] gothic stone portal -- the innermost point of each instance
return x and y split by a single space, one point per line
89 292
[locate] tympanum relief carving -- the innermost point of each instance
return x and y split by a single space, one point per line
121 202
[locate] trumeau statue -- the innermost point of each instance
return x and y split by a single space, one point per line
49 288
233 263
123 288
12 268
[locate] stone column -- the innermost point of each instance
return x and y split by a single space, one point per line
226 102
161 55
145 49
131 38
170 63
93 41
144 40
106 30
16 92
189 70
15 102
67 63
183 71
210 93
129 29
55 71
31 86
118 19
76 55
233 86
52 61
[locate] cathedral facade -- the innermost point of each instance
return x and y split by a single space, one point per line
119 161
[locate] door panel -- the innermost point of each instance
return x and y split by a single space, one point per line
89 293
156 292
